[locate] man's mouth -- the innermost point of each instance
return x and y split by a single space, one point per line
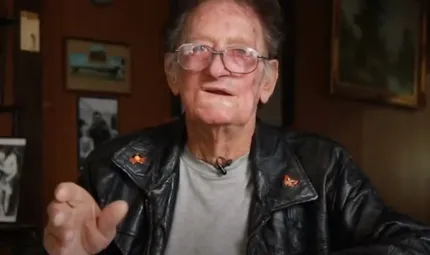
218 92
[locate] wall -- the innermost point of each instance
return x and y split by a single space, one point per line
136 22
400 167
315 110
390 144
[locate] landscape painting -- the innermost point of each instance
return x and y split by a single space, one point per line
378 51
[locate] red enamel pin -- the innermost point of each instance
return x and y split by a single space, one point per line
288 182
137 159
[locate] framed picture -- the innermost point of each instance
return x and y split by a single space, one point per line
378 51
97 66
11 161
97 123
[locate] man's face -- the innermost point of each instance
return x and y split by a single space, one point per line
214 95
97 117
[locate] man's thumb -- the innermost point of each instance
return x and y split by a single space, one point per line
110 217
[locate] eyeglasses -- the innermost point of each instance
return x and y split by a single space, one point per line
239 60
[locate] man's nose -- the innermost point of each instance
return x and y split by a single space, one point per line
216 67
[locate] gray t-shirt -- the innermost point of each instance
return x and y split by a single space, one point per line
211 212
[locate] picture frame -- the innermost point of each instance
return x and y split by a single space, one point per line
378 51
102 2
97 123
97 66
12 151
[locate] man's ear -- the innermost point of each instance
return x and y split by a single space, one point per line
269 80
170 70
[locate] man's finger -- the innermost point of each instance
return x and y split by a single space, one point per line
92 239
59 213
71 193
63 235
110 217
52 244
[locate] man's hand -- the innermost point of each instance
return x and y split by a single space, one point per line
76 224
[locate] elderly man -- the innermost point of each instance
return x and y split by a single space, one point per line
218 181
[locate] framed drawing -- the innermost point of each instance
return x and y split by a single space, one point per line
378 51
97 123
97 66
11 161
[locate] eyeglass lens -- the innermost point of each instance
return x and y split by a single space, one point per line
235 60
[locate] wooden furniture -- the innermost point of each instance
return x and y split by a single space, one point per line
19 239
21 102
8 23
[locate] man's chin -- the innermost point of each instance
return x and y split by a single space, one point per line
216 118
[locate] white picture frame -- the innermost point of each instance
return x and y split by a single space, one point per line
11 164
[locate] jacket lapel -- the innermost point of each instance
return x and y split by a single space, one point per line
156 172
279 179
159 150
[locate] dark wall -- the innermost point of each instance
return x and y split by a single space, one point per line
134 22
390 144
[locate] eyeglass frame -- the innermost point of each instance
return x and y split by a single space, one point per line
221 53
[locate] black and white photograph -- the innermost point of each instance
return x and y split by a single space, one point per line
11 161
97 123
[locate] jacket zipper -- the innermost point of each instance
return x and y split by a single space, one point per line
268 217
254 232
149 243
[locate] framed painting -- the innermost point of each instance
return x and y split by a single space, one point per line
97 66
378 51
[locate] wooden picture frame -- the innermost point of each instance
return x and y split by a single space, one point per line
378 51
97 66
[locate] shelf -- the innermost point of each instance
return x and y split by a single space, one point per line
15 227
14 111
8 109
7 21
20 239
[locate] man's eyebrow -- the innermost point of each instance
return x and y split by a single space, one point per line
248 41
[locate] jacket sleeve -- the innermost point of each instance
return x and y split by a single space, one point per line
363 225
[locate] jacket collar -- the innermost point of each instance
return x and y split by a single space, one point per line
272 163
159 148
279 179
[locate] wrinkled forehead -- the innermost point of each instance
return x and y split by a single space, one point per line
223 22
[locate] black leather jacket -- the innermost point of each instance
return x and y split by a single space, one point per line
333 209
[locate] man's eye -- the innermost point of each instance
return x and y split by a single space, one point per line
199 49
242 52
